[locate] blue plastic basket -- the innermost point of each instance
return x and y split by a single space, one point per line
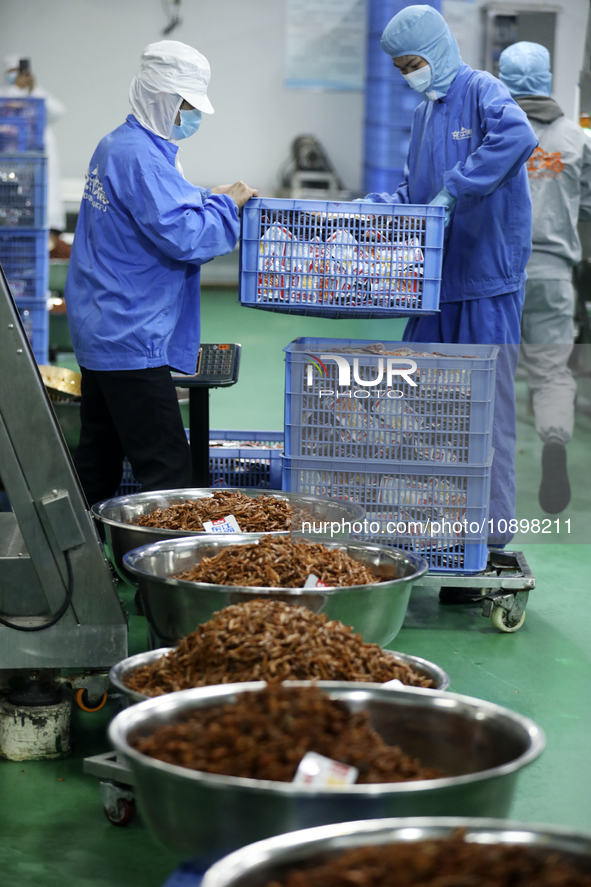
438 511
24 256
22 124
377 179
381 11
35 319
378 64
23 190
233 466
385 145
335 259
129 484
240 466
446 417
388 102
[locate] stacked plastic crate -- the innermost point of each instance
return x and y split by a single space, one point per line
404 431
23 214
389 105
236 459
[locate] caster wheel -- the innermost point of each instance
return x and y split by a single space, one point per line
124 813
83 702
499 620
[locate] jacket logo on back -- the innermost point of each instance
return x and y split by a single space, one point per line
462 133
94 191
545 164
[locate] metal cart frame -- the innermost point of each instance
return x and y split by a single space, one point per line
505 585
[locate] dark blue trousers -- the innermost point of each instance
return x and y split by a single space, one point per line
133 413
493 321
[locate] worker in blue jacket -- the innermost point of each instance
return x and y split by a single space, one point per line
467 151
132 291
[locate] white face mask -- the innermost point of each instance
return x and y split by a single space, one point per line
419 79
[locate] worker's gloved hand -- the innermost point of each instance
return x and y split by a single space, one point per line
239 191
444 198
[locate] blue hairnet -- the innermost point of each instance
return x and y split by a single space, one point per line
421 30
524 68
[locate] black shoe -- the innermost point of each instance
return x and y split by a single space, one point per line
554 493
455 594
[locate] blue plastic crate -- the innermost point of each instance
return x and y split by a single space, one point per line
35 319
24 256
381 11
337 259
129 484
438 511
239 466
23 190
378 63
233 466
377 179
388 102
446 417
385 145
22 124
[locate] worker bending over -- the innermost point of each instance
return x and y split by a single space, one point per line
560 180
468 146
132 291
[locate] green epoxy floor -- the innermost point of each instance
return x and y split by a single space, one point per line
52 828
258 396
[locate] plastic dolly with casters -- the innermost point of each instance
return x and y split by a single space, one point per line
505 585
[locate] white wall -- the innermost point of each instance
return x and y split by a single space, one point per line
87 51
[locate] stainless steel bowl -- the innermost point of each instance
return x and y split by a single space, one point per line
258 864
204 816
124 669
115 516
175 607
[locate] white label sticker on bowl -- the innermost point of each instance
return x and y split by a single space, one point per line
315 769
314 582
227 524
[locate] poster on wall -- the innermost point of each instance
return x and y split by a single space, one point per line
325 44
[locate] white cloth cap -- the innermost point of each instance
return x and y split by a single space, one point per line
11 62
169 72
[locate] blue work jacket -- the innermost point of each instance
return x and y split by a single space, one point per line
132 291
475 141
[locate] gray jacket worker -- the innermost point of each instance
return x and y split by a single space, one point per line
559 173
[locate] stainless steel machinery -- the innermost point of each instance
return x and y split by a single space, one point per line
59 607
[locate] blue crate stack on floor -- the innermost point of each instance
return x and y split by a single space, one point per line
24 247
416 457
236 459
389 105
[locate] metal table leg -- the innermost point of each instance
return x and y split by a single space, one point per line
199 435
